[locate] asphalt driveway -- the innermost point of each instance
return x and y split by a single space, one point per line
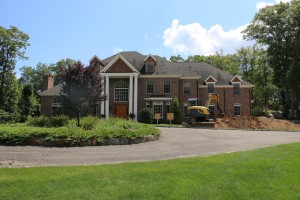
174 143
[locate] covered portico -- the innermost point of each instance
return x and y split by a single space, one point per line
121 88
111 96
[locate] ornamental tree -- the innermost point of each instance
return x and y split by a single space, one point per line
81 88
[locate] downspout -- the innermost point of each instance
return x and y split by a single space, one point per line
250 97
224 101
198 100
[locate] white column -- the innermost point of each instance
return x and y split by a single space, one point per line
135 96
102 102
107 96
130 95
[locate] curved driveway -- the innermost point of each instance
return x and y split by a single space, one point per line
174 143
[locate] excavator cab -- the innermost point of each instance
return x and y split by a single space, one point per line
199 113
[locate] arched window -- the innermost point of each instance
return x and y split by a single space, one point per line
56 106
121 91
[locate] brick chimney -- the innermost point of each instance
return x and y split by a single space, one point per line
48 81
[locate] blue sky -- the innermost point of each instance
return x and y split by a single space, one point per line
60 29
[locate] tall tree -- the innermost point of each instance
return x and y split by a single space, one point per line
13 42
277 28
81 89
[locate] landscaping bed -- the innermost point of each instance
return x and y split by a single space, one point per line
93 132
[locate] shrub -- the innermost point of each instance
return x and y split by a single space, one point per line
89 123
146 115
258 111
44 121
58 121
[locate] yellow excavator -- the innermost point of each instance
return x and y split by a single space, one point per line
201 113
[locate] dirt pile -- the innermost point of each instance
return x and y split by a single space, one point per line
247 122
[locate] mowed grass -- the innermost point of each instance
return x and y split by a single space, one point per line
268 173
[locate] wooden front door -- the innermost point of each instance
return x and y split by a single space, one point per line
121 110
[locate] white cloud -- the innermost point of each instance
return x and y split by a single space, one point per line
195 39
261 5
117 50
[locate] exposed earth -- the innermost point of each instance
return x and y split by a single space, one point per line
264 123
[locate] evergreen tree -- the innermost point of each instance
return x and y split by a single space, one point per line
176 111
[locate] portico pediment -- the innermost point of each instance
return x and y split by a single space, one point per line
119 65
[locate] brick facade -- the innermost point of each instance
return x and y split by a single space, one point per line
178 74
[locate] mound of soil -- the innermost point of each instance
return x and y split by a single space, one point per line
247 122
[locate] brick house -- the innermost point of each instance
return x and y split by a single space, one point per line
134 81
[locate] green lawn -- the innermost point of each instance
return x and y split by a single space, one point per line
269 173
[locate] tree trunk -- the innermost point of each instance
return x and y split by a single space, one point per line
78 119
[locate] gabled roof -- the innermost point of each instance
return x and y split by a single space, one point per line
236 79
119 56
95 56
150 56
210 79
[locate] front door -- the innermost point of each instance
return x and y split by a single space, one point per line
121 110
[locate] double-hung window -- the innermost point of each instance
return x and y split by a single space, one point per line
236 88
186 88
167 87
149 87
158 108
210 87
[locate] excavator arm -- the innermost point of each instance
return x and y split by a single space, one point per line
214 97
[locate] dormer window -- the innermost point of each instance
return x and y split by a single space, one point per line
210 82
210 87
150 63
149 66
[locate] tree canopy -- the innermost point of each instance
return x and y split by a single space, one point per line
81 88
277 29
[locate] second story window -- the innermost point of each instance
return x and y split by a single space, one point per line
149 87
210 87
186 88
236 88
167 87
149 66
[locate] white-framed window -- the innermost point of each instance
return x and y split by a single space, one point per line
149 66
236 88
167 87
158 108
56 106
186 88
211 109
237 109
210 87
149 87
121 91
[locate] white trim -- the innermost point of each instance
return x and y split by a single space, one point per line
158 99
190 77
119 75
130 95
135 98
149 57
95 56
210 76
236 76
160 76
119 56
